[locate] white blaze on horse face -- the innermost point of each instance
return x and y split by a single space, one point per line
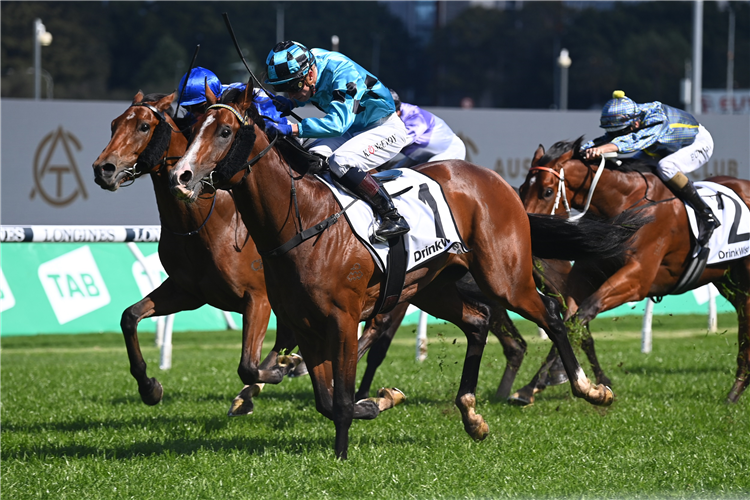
130 116
189 158
532 180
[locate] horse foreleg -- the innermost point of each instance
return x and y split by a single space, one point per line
167 299
587 344
525 395
377 337
271 371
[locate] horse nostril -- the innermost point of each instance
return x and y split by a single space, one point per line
108 168
186 176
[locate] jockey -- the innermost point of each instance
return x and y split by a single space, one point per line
360 130
431 138
194 97
671 136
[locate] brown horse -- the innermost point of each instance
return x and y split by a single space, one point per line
137 148
660 249
313 286
204 248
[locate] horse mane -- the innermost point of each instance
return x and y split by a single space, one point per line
623 165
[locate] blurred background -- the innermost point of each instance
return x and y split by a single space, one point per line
502 54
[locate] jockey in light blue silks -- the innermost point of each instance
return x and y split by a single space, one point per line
431 139
360 130
194 96
671 136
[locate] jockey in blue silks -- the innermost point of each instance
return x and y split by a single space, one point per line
360 130
431 139
194 96
669 135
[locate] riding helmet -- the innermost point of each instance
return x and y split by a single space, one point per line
619 112
195 91
288 63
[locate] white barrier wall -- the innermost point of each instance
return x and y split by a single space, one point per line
48 148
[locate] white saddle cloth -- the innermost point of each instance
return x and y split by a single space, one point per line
732 240
432 228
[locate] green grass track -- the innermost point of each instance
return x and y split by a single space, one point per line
73 425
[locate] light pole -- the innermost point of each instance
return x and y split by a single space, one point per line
41 37
564 61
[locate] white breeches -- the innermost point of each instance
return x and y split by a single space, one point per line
366 149
688 158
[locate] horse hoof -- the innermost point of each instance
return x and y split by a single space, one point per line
480 432
241 407
299 371
520 399
556 378
608 397
152 396
395 395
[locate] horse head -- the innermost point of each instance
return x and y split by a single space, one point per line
140 138
222 141
546 188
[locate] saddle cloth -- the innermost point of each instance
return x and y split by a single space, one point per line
731 240
433 230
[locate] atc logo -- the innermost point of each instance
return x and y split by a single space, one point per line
6 296
56 176
73 285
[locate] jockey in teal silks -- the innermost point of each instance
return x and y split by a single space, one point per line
671 136
360 130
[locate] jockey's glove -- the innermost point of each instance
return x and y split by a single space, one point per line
284 128
283 105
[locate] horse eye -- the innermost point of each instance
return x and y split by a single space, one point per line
226 133
144 127
548 192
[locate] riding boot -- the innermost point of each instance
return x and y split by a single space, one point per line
685 190
365 187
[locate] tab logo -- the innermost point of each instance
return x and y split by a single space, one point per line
6 296
56 176
73 285
153 268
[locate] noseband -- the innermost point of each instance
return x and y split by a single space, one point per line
561 191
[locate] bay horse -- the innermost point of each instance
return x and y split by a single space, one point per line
145 139
314 288
660 249
204 248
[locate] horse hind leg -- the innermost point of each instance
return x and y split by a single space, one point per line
735 289
514 349
472 317
167 299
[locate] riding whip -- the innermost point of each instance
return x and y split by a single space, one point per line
247 66
187 77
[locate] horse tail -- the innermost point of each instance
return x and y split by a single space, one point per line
553 237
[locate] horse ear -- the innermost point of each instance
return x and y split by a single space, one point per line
211 98
538 154
577 148
138 97
165 102
247 96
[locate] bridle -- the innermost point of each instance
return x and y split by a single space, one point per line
155 149
561 189
234 161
